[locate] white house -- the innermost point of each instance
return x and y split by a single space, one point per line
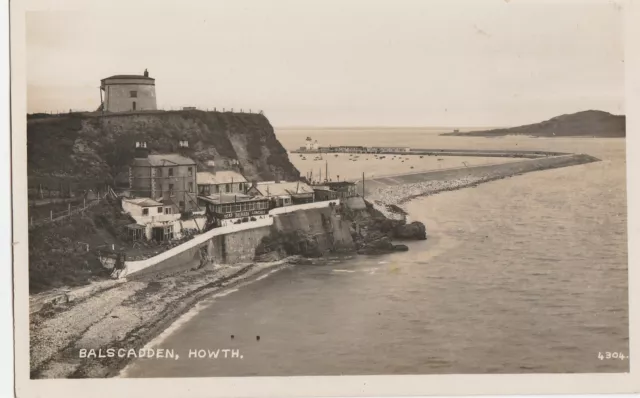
157 221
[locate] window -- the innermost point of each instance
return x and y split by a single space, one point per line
134 105
216 189
237 208
134 94
168 210
252 206
190 187
170 172
227 187
181 203
168 232
160 209
190 170
170 189
159 171
145 212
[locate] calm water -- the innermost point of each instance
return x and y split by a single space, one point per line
527 274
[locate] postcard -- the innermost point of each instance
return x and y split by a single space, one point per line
324 198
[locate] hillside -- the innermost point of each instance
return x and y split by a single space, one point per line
581 124
90 149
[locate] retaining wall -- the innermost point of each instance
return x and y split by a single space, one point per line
234 243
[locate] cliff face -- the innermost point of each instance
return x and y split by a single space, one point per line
585 124
97 148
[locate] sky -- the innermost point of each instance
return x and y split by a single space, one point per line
339 63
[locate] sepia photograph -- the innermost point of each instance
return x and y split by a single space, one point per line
230 191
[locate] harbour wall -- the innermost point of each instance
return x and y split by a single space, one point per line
487 172
440 152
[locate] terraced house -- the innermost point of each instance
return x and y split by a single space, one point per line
167 178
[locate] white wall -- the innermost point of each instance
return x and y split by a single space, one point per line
135 266
304 206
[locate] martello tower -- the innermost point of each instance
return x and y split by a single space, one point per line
125 93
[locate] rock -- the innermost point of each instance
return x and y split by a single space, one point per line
300 261
415 230
379 246
401 248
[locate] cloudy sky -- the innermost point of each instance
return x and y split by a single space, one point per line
340 63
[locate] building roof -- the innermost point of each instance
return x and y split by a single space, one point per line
339 184
229 198
219 177
283 188
143 202
170 159
129 77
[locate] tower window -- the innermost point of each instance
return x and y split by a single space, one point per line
134 94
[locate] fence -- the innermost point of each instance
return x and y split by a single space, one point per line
58 113
61 215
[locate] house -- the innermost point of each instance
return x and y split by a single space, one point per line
167 178
226 209
158 221
344 189
154 220
283 193
222 181
323 192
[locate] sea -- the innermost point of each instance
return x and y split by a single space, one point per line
522 275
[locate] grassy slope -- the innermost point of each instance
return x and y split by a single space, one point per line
58 259
89 150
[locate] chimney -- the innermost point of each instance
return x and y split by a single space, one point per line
211 165
141 151
146 73
183 147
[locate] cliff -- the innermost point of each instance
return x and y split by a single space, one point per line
582 124
91 148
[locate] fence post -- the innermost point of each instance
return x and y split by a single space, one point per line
51 215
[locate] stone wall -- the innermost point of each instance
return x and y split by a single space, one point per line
315 223
118 97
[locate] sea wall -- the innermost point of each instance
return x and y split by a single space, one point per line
239 243
487 172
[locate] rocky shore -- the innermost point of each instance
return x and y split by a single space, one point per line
126 315
390 200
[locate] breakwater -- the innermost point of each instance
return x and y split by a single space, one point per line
491 171
399 189
433 152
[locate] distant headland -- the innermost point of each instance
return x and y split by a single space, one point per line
590 123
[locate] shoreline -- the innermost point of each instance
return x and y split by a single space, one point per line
144 311
136 313
193 288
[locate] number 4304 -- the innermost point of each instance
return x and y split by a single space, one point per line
611 355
